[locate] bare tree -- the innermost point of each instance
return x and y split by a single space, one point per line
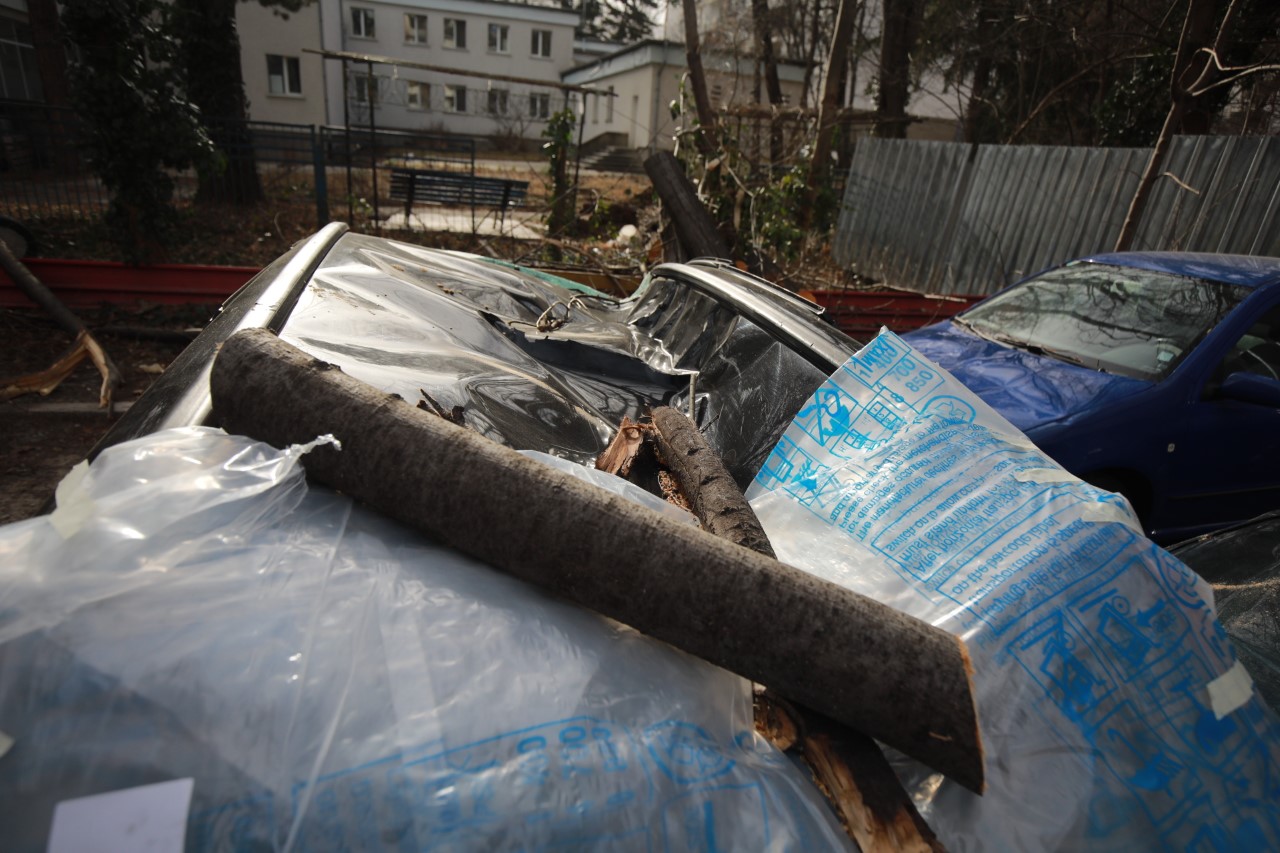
899 30
1198 69
707 132
818 165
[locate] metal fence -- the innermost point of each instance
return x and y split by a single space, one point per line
953 218
42 167
45 175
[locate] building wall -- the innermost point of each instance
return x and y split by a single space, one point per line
263 33
416 99
646 80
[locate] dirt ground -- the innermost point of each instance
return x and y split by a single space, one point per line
42 437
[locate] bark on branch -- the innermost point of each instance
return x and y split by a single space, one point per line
879 671
713 495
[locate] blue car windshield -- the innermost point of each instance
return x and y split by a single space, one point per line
1122 320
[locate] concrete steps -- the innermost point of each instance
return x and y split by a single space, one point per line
615 160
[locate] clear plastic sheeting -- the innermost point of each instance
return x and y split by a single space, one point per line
332 681
1113 712
1243 564
536 365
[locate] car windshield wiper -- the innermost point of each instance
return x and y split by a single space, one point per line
1069 358
997 337
1034 349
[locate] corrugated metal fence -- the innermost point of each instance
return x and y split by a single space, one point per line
943 217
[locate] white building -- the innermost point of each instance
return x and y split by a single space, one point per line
533 43
644 80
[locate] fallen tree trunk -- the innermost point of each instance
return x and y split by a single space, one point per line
695 229
883 673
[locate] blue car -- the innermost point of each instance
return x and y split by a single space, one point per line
1152 374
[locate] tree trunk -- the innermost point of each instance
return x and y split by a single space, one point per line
211 55
707 137
1138 204
897 41
875 810
773 86
867 665
694 227
827 111
977 109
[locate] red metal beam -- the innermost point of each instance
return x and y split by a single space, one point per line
861 313
87 284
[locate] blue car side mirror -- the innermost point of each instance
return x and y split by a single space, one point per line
1251 388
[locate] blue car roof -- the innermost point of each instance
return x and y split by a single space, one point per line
1247 270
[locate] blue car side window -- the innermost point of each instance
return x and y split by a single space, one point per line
1258 350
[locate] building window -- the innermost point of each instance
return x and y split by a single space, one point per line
19 76
415 29
361 23
717 95
455 33
365 89
540 105
595 108
283 77
608 107
498 102
498 38
417 96
541 43
455 99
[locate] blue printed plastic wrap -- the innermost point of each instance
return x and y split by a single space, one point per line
1113 712
331 681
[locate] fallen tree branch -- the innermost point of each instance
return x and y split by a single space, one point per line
712 493
870 800
43 382
85 343
863 663
875 810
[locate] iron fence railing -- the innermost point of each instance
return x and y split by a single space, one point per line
45 174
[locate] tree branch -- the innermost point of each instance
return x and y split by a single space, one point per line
1053 93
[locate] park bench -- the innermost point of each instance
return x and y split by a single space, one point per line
455 189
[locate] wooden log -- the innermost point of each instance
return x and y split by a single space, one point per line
886 674
713 495
695 228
